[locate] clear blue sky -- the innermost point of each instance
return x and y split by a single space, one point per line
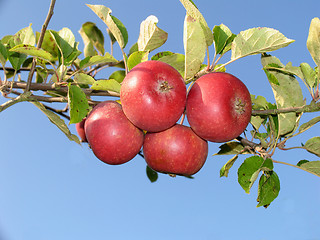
54 189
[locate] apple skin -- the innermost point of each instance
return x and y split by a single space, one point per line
80 130
177 150
218 107
111 136
153 96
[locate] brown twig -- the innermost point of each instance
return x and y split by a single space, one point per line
43 31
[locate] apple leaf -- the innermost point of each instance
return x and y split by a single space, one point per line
194 46
222 36
115 26
268 189
312 166
231 148
287 93
49 44
176 60
194 12
94 60
257 40
118 75
56 120
94 36
137 57
161 54
82 78
313 146
313 41
309 124
3 54
309 74
78 104
151 174
151 37
249 170
224 171
107 85
32 51
23 36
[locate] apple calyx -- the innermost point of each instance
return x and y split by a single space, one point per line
240 106
164 86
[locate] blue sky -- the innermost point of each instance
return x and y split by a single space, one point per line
54 189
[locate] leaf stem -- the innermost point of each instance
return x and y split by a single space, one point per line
292 165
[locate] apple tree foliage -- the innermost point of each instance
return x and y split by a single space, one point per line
59 73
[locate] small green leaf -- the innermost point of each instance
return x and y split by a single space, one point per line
230 148
268 190
302 162
176 60
309 124
151 36
94 60
107 85
78 104
24 36
49 44
194 46
312 166
221 35
94 35
32 51
16 59
194 12
313 41
161 54
224 171
136 58
309 74
115 26
3 54
82 78
151 174
56 120
258 40
313 146
118 75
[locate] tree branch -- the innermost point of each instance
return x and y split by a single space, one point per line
43 31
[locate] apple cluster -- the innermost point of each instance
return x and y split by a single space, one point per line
153 98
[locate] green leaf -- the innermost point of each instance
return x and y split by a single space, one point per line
257 40
309 124
49 44
309 74
194 46
94 60
136 58
82 78
249 170
231 148
32 51
115 26
16 59
107 85
312 166
268 190
176 60
313 41
94 35
194 12
302 162
224 171
151 37
161 54
118 75
3 54
88 49
287 94
313 146
56 120
24 36
78 104
151 174
222 35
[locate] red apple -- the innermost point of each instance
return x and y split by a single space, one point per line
177 150
111 136
153 96
80 130
218 107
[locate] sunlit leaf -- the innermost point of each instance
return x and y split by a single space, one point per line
94 60
309 124
136 58
313 41
222 35
118 75
309 74
313 146
230 148
107 85
312 166
176 60
32 51
224 171
194 46
82 78
258 40
94 35
151 36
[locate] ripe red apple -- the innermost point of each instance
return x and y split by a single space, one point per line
153 96
80 130
111 136
177 150
218 107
